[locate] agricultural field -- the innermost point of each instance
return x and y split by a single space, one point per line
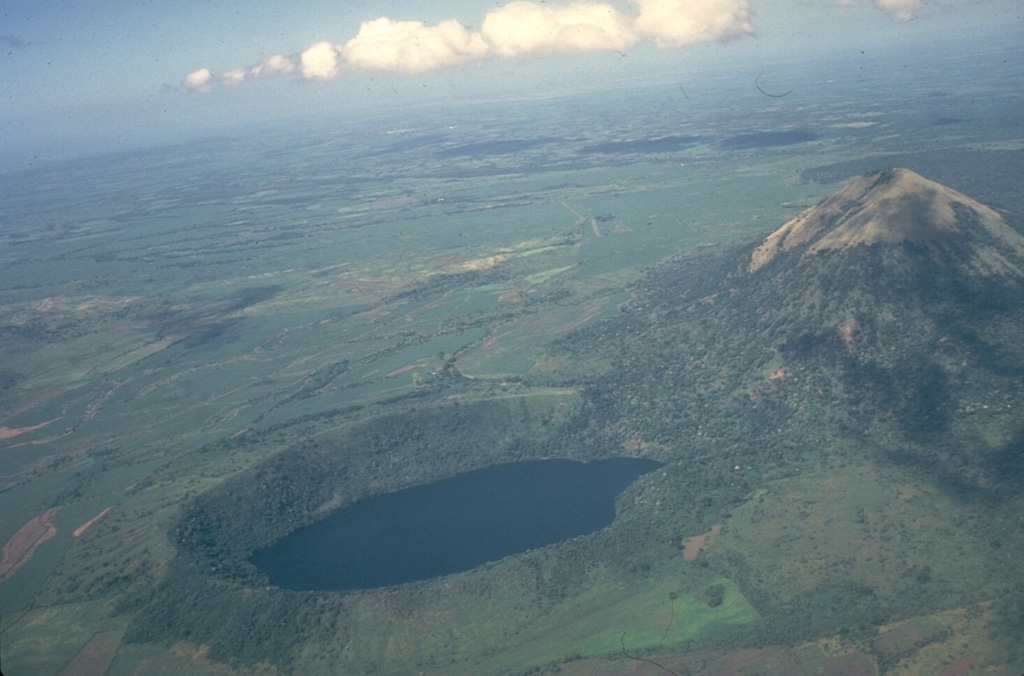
207 346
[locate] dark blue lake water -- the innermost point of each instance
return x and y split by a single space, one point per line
452 525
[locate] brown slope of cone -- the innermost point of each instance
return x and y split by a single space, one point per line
896 206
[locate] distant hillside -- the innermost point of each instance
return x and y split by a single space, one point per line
890 313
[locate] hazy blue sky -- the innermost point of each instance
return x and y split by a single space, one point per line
92 76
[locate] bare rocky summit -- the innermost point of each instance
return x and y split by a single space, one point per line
898 206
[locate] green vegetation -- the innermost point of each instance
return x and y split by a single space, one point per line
644 616
220 364
541 277
737 381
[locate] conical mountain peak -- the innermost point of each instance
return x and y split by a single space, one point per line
896 206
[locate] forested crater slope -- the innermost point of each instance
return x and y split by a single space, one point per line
876 339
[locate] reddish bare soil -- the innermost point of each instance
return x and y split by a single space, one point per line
81 529
22 545
10 432
692 546
905 639
492 340
961 667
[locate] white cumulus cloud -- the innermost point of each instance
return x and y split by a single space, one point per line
901 10
198 80
203 80
674 23
233 77
278 64
530 28
521 28
319 62
411 46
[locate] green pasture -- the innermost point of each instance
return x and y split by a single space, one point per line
641 616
